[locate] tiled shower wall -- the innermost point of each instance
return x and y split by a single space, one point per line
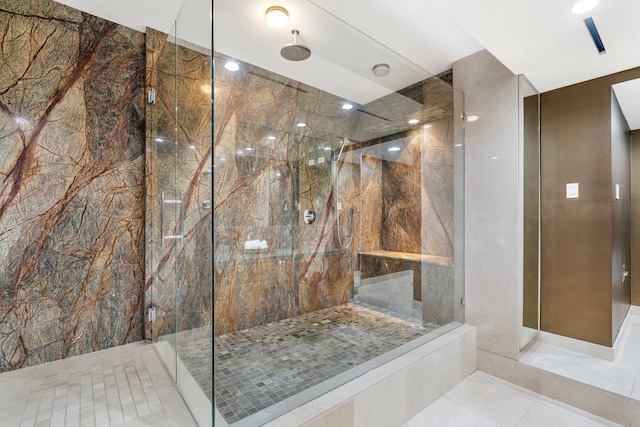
71 183
408 205
262 188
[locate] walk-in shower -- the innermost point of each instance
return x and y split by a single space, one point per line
335 228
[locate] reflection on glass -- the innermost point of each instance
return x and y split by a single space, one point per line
530 143
336 240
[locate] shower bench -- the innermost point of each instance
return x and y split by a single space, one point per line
433 283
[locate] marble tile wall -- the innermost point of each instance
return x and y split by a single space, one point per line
417 182
263 186
178 160
71 183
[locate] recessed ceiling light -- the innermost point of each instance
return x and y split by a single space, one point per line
327 148
301 124
159 140
232 66
192 146
414 121
278 174
277 17
494 158
249 149
347 106
271 138
472 118
583 6
392 149
222 159
240 152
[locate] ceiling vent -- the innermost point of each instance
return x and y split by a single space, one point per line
593 30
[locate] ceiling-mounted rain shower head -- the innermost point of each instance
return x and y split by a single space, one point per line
295 51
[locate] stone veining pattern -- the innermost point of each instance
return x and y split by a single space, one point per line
71 183
178 161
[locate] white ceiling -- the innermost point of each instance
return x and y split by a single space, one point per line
628 95
541 39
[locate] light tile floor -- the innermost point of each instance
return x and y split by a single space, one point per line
482 400
621 377
122 386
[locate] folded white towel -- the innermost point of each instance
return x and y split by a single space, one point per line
252 244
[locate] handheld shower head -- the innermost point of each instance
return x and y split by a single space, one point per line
343 144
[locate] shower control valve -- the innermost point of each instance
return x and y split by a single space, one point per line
309 217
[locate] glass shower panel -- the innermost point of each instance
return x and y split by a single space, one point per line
331 196
529 140
194 184
179 203
411 204
164 202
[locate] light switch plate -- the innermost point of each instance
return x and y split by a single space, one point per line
573 190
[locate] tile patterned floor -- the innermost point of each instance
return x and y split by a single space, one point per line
196 356
122 386
482 400
264 365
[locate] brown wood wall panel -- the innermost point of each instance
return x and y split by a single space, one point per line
621 216
635 217
576 234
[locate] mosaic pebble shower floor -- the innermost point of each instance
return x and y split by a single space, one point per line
259 367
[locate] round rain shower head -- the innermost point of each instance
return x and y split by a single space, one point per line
295 51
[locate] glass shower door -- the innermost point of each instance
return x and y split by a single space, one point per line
179 208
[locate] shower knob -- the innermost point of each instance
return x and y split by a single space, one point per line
309 217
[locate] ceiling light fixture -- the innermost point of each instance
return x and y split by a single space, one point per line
381 70
277 17
472 118
301 124
347 106
583 6
232 66
414 121
271 138
393 149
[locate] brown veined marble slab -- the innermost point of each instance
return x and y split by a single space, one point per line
179 276
71 183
